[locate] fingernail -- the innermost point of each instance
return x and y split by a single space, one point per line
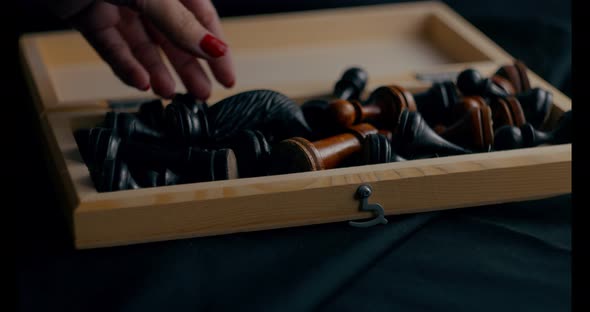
213 46
230 84
147 87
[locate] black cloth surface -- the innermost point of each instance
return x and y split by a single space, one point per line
508 257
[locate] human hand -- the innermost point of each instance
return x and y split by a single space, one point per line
127 34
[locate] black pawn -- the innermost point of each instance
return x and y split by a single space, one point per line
470 82
536 104
509 137
351 84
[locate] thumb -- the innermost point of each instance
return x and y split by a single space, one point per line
179 25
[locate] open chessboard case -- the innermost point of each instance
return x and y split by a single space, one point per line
406 51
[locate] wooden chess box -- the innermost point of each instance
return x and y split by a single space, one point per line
300 55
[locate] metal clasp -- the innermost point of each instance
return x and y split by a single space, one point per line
363 193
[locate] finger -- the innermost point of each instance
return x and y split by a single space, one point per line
187 66
97 25
146 52
174 20
222 68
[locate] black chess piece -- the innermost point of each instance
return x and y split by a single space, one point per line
351 84
377 150
510 137
272 113
436 104
471 82
83 138
413 138
194 164
129 127
298 154
252 152
109 172
151 113
146 177
390 101
536 104
506 111
186 120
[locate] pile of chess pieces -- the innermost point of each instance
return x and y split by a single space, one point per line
263 132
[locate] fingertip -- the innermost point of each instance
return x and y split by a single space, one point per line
230 84
202 94
223 70
164 86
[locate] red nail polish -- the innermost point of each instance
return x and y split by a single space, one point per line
230 84
213 46
147 87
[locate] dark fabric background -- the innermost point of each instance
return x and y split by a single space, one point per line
510 257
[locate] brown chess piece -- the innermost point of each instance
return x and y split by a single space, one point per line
349 87
300 155
382 109
506 111
517 75
473 126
